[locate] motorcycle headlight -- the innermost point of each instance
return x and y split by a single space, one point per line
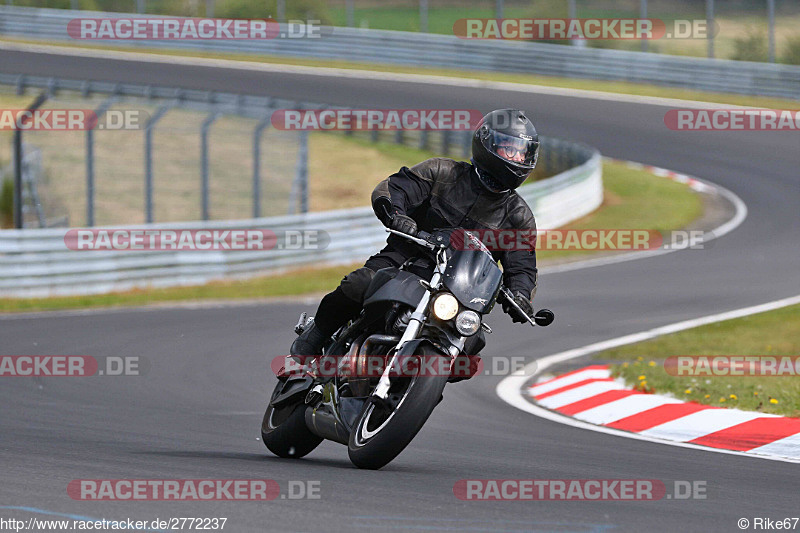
468 323
445 306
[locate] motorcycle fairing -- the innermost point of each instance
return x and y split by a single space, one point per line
474 279
394 285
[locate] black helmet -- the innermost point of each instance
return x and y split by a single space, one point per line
505 147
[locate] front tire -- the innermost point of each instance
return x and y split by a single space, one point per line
284 431
381 434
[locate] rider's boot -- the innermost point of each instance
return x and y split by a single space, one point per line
307 345
310 342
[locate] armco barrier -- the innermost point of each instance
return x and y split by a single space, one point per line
422 49
37 263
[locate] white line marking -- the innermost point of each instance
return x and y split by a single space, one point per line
740 214
510 389
394 77
700 424
787 447
580 393
623 408
594 373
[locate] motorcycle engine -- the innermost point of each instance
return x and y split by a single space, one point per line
398 320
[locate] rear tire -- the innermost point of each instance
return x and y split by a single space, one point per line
284 431
375 442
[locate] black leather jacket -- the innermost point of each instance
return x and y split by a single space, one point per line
443 193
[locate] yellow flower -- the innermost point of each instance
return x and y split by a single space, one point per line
642 377
722 400
755 393
773 401
652 363
708 396
733 397
640 358
625 365
687 391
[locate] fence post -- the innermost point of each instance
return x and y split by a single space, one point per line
423 140
140 6
710 26
303 171
257 165
643 15
148 161
771 17
206 125
300 183
99 112
210 9
445 143
281 14
351 17
498 9
423 16
41 99
572 13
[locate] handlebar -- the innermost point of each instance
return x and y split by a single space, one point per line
544 317
423 238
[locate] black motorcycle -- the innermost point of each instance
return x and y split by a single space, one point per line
413 327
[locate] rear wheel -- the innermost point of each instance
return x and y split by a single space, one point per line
384 429
284 429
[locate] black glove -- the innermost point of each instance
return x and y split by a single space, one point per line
404 224
523 302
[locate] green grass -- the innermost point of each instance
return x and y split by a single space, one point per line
771 333
618 87
635 199
300 281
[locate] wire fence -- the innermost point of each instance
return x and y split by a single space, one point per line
161 155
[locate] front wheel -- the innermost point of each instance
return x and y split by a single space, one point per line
284 431
384 429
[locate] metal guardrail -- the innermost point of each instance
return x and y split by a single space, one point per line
384 46
37 262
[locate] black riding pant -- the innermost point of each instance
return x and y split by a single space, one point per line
345 302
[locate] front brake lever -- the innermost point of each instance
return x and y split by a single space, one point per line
543 318
510 297
417 240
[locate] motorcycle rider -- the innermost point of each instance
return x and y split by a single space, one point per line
443 193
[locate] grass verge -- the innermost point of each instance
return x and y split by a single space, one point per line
634 199
637 89
299 281
771 333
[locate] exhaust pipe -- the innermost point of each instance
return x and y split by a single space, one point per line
324 424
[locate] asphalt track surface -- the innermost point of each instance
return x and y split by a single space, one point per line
196 414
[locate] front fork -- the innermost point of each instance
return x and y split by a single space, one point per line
415 323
